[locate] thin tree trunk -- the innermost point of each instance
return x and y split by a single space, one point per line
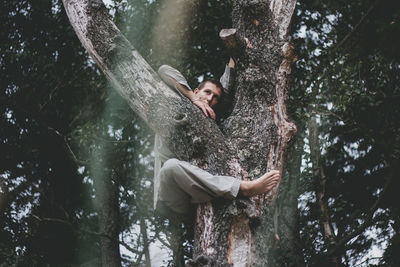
318 173
106 203
288 248
143 232
253 139
176 239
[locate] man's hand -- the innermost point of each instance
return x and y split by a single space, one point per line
248 44
203 105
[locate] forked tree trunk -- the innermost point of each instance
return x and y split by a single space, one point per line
250 142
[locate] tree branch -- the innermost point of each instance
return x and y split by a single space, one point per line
355 28
67 147
318 70
164 111
367 222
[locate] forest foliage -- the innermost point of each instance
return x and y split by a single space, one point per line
68 141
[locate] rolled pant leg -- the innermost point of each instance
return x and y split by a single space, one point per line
182 183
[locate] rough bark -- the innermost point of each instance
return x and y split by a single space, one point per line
252 140
258 132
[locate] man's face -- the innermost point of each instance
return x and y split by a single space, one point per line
209 92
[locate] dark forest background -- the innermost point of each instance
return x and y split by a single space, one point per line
74 157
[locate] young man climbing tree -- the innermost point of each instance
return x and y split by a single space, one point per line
178 184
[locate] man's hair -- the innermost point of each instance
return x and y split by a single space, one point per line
213 81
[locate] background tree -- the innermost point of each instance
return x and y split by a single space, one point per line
50 130
347 82
39 100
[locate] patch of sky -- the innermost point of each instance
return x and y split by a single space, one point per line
81 169
9 115
125 193
353 150
305 198
79 214
91 64
304 159
55 55
158 252
118 134
14 183
146 161
379 245
129 236
335 228
12 13
112 6
20 250
348 168
55 7
23 212
200 78
316 52
147 184
301 33
315 15
93 214
5 175
87 180
25 11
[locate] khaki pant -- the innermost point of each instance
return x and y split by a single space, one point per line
182 184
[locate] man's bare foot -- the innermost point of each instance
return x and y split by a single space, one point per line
261 185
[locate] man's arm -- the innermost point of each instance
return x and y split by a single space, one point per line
183 89
175 80
202 104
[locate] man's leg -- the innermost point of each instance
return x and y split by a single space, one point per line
182 183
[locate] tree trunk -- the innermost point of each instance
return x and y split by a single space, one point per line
286 218
176 239
250 142
258 133
320 192
146 243
106 203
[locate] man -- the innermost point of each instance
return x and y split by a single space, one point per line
178 184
